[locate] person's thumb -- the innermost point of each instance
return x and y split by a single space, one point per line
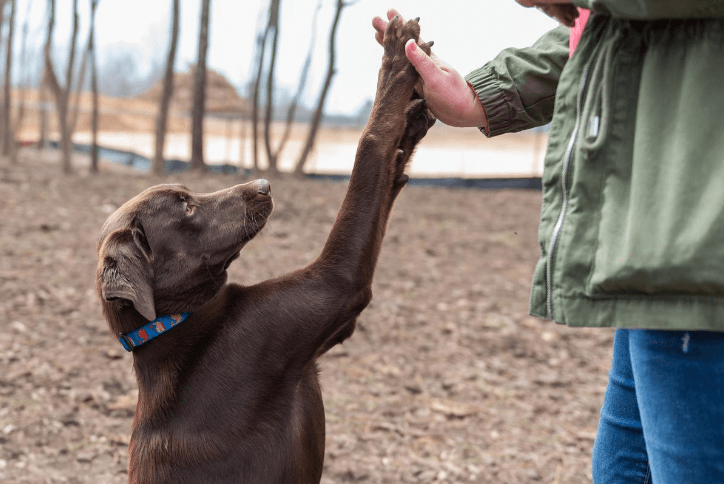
422 62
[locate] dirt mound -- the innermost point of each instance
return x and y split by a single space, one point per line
221 95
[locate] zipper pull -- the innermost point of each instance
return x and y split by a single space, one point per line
594 127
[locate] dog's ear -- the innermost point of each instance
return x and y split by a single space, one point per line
126 271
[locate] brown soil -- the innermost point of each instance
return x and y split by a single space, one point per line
446 379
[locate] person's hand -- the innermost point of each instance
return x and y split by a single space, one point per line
562 10
448 95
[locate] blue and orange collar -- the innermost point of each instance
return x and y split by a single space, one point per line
147 332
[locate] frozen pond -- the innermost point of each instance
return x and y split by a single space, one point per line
510 156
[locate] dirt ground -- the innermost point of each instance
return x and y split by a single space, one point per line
446 379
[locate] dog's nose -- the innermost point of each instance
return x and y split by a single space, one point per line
263 187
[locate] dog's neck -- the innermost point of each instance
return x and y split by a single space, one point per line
157 366
155 374
122 318
157 377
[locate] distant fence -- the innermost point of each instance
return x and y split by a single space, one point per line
142 163
527 183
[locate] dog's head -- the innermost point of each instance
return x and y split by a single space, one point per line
167 249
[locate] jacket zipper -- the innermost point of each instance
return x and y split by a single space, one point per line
564 175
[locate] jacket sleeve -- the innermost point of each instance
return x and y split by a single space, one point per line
518 87
655 9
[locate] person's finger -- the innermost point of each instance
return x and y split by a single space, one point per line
564 13
422 62
380 26
392 13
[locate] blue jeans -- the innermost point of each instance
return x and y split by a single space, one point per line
662 420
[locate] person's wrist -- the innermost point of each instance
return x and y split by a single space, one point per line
479 118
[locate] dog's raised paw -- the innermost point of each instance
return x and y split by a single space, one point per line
394 62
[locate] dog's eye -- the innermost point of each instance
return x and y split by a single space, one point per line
188 209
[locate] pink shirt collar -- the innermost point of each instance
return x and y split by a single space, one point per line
577 29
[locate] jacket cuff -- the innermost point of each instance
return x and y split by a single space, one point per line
487 87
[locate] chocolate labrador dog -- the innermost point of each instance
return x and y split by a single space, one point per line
227 374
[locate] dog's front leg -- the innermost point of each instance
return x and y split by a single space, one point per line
314 308
396 124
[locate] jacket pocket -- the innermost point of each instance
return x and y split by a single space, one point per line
659 244
661 229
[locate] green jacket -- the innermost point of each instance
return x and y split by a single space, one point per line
632 224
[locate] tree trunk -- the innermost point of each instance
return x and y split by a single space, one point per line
47 73
273 24
255 99
273 155
60 93
242 143
7 125
17 125
197 123
81 80
43 128
94 88
228 134
2 20
314 126
65 130
162 118
302 83
257 67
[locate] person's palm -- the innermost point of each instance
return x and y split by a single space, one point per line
445 90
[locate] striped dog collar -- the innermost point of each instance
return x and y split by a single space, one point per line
147 332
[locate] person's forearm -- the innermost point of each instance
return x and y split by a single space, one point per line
517 88
479 117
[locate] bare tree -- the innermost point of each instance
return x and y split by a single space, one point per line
162 119
271 34
275 155
24 85
81 78
331 70
273 25
260 49
7 122
2 22
61 94
43 139
94 87
242 140
43 115
302 82
197 122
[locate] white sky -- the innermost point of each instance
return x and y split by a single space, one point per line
466 33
